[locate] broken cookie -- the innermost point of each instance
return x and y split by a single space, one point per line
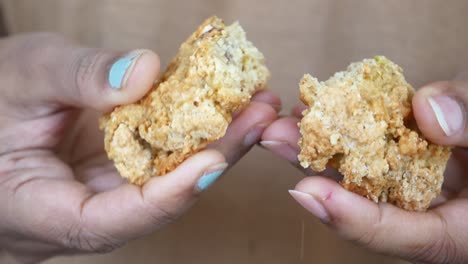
359 121
215 73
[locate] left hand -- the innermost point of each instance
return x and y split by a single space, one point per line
59 194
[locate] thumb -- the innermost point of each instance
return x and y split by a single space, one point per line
108 219
49 70
440 110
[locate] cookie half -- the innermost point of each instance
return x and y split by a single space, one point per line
215 73
360 121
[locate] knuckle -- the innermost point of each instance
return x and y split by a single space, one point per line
441 250
370 238
161 216
84 69
78 238
85 64
102 245
367 240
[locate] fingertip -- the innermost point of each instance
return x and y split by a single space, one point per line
281 138
182 181
255 112
141 76
245 130
336 198
318 186
256 116
424 114
132 76
439 114
282 149
285 130
344 209
312 193
260 111
195 164
268 97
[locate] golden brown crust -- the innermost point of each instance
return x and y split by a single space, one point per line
357 121
214 75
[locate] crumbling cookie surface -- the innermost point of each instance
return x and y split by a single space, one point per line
215 73
357 122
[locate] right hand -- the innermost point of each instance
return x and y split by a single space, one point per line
439 235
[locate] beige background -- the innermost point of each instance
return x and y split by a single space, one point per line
248 217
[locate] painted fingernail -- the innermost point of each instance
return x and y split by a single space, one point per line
311 204
254 135
121 70
448 112
210 176
282 149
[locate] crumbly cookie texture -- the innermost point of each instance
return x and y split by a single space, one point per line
359 121
215 73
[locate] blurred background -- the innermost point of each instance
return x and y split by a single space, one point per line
248 216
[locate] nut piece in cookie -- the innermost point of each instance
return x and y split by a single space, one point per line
215 73
358 122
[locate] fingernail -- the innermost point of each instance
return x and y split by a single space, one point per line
448 112
281 148
210 176
254 135
121 70
311 204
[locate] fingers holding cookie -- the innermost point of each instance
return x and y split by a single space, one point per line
440 110
282 137
213 77
421 237
246 129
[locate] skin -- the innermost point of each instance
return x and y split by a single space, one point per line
59 193
438 236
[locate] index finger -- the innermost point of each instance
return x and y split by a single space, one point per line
282 137
436 236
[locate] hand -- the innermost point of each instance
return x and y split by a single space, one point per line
438 236
59 194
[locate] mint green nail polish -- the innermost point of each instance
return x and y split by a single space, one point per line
119 69
207 180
